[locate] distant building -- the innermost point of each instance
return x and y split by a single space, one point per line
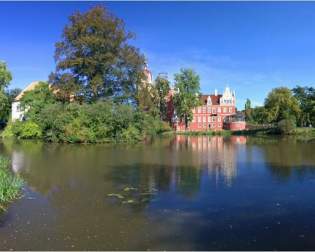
216 112
18 113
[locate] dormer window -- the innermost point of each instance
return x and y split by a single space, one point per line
209 101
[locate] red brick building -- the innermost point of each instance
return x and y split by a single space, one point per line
216 112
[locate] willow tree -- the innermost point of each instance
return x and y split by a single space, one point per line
96 55
187 87
281 104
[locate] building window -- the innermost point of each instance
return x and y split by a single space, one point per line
204 109
213 118
209 118
219 125
219 118
204 125
213 111
219 110
209 109
224 110
230 109
204 119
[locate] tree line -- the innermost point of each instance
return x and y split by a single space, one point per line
99 90
286 107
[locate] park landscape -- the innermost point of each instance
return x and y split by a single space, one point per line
96 160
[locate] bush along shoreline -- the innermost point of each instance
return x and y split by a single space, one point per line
87 123
10 184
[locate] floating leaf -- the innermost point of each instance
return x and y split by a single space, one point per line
127 189
130 201
119 196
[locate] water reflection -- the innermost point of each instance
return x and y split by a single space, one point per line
217 154
286 156
223 190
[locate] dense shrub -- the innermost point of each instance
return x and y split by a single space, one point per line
24 130
88 123
287 126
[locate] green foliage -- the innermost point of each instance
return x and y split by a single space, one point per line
87 123
281 104
188 87
94 52
306 100
162 86
35 100
4 107
12 93
147 99
260 115
8 131
5 104
65 86
287 126
131 134
5 76
10 185
248 110
23 130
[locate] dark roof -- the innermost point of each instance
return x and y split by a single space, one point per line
215 99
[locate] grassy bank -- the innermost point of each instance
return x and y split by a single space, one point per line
10 185
307 132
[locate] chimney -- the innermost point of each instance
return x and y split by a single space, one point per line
215 92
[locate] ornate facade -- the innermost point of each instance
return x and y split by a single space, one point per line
216 112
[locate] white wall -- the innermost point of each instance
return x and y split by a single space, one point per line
17 112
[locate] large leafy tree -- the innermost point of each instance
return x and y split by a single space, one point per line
147 99
95 51
162 86
5 76
65 86
187 85
306 100
5 79
281 104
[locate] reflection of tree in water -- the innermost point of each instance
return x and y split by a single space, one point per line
167 164
147 180
188 180
156 178
286 156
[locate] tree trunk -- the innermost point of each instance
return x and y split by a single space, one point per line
186 122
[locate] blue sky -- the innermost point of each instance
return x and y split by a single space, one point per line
250 46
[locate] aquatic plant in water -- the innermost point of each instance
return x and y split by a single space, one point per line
132 195
10 184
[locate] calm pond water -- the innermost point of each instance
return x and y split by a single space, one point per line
181 193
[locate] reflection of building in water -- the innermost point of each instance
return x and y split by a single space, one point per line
217 153
18 161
